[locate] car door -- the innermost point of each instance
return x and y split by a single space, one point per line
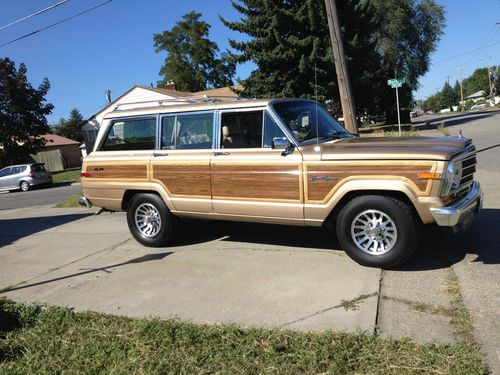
182 162
248 176
5 178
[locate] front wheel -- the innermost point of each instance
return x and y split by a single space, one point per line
150 221
378 231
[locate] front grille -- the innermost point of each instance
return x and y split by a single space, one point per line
468 162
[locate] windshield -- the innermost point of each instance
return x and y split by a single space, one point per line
309 122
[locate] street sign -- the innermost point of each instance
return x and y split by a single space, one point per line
395 83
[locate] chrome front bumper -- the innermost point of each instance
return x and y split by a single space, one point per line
461 214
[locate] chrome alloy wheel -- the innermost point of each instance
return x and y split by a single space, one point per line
374 232
147 220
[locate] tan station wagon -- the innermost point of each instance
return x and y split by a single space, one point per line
281 162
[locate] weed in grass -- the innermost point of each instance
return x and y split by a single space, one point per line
460 318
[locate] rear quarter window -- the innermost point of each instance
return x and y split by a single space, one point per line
131 134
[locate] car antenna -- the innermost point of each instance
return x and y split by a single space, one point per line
317 148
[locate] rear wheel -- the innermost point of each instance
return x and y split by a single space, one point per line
24 186
378 231
150 220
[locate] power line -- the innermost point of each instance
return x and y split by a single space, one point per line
35 14
465 53
55 24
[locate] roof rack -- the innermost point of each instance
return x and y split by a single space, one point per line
180 100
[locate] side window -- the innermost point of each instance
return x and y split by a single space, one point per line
131 134
16 170
190 131
5 172
271 130
241 129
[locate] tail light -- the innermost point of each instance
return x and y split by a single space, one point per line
85 174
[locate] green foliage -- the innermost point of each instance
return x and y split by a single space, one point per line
72 127
69 202
288 39
58 340
66 176
290 44
192 61
22 114
449 96
476 82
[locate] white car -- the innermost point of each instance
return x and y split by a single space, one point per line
478 106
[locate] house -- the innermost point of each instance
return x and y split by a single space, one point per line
476 96
146 96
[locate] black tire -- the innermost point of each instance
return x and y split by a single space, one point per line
405 236
24 185
163 232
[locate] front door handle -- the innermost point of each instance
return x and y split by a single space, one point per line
218 153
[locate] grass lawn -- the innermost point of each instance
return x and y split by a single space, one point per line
68 175
69 202
48 340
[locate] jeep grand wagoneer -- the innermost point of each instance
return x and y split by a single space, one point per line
283 162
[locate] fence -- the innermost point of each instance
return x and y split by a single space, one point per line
54 160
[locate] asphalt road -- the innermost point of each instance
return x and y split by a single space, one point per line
37 197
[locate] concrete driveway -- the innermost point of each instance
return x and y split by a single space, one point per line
263 275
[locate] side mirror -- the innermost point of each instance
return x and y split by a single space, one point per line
280 143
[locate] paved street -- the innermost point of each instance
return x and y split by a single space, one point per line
37 197
263 275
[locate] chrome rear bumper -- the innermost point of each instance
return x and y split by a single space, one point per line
83 201
461 214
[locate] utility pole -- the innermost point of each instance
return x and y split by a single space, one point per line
459 68
346 99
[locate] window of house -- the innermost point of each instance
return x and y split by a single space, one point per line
131 134
249 129
187 131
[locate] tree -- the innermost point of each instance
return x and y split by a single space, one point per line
290 45
22 113
408 34
192 61
448 96
72 127
288 38
477 81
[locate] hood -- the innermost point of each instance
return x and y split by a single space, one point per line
381 148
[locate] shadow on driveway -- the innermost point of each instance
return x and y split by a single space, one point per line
12 230
193 232
441 248
107 269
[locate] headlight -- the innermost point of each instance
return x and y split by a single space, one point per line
452 177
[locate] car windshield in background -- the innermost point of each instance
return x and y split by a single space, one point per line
309 122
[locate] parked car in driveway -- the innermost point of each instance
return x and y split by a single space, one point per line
478 106
281 161
24 176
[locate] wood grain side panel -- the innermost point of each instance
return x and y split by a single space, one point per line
118 171
321 179
189 179
268 182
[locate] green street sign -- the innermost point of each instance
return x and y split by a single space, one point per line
396 82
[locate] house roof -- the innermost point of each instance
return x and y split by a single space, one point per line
478 94
222 92
57 140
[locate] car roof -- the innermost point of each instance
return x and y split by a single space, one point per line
190 107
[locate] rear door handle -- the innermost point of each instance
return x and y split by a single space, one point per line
158 154
219 153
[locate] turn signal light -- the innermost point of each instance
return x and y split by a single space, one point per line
85 174
429 176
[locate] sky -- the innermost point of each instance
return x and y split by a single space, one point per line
112 48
